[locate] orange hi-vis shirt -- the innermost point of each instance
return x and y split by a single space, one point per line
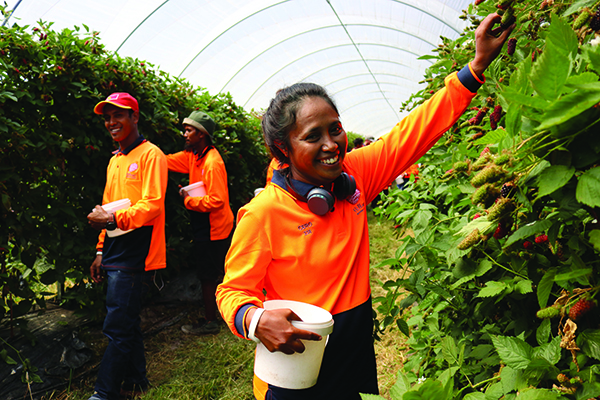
209 169
140 174
293 254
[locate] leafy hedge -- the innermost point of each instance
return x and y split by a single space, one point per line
55 152
502 245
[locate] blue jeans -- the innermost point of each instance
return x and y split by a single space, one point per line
124 361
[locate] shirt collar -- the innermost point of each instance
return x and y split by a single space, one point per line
206 149
299 187
132 146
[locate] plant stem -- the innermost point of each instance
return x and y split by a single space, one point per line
503 267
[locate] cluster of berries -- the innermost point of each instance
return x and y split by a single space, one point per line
506 190
476 120
581 308
495 116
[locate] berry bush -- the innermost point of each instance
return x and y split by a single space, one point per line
500 234
55 152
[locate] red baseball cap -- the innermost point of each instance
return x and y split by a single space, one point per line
121 100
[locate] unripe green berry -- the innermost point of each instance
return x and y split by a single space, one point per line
461 166
501 208
502 159
481 162
548 312
509 17
484 193
489 174
472 239
582 19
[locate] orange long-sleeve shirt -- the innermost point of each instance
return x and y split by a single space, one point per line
282 249
210 169
280 246
140 174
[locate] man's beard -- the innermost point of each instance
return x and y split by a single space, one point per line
189 147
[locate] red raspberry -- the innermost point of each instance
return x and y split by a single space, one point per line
501 231
476 216
541 239
493 123
580 308
480 114
527 245
511 46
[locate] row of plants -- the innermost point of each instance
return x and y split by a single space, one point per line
500 233
55 151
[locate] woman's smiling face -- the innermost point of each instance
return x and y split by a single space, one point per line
317 143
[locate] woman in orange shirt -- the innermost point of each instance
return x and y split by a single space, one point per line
305 238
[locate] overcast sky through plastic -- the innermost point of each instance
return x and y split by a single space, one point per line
364 52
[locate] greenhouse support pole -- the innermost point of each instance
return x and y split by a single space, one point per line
11 13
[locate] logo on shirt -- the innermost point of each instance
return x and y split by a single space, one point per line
132 171
358 208
305 228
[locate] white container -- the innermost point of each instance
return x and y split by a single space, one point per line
298 370
113 207
195 189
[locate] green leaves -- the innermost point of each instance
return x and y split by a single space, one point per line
588 188
545 287
570 106
451 352
513 351
528 230
589 343
553 178
550 73
492 288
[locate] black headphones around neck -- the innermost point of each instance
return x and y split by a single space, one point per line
320 201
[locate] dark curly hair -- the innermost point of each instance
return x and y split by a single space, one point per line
280 117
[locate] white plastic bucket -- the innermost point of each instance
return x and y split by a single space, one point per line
298 370
195 189
113 207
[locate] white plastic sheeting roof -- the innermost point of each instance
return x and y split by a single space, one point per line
363 51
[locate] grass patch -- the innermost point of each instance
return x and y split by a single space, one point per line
391 348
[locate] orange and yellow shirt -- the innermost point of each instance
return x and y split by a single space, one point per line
140 174
210 169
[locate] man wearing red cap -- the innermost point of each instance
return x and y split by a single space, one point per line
130 245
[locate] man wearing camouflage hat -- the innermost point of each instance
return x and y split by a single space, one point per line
211 215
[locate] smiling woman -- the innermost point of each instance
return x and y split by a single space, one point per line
284 249
317 144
